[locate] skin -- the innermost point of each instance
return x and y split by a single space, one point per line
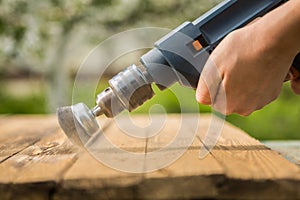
252 63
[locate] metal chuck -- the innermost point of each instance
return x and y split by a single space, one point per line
128 90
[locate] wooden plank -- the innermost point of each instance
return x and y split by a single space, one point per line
244 157
38 162
186 176
12 142
83 182
207 178
125 133
13 124
3 119
33 191
187 143
239 167
47 159
38 155
133 133
90 179
9 147
150 136
176 131
117 148
255 164
288 149
175 139
41 164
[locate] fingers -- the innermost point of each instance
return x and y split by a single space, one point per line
207 86
295 85
220 102
209 90
202 93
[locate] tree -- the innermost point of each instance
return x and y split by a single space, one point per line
40 35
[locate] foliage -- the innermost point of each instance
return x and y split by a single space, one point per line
33 104
30 29
52 37
278 120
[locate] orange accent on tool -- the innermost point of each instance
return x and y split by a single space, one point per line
197 45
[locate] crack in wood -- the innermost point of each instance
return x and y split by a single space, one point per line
17 152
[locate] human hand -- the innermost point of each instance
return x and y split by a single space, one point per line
251 68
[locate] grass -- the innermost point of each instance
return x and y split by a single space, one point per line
22 97
176 99
278 120
34 104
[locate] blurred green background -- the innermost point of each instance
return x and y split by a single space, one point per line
44 42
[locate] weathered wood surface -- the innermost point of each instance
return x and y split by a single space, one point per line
37 161
288 149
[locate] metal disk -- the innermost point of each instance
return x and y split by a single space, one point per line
78 123
85 118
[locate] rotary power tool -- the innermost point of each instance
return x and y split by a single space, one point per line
178 57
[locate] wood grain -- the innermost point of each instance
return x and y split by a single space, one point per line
42 161
38 156
37 161
244 157
288 149
19 132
